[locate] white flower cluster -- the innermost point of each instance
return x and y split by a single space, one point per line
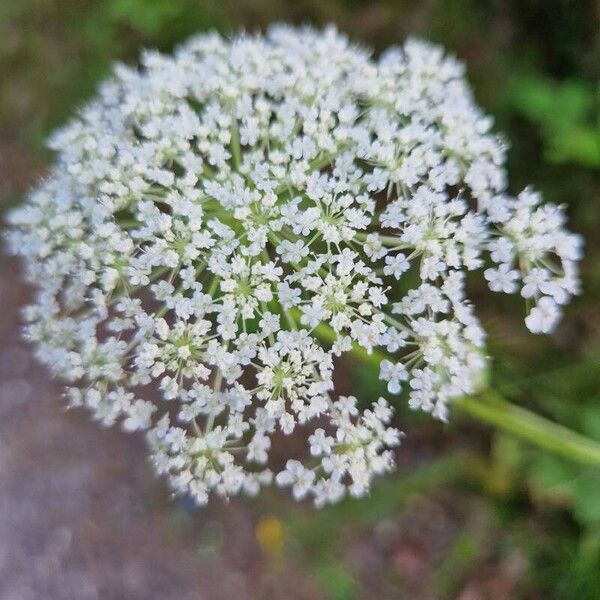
211 213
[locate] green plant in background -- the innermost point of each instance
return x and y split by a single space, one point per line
567 113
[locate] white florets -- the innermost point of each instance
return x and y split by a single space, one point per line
209 214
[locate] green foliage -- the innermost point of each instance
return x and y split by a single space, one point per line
567 569
567 113
336 580
573 395
168 22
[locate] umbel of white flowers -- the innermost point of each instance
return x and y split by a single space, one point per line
208 212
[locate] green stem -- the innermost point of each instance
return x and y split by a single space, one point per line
490 407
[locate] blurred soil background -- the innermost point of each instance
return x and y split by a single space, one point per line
472 514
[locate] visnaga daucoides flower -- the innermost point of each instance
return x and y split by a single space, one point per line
210 213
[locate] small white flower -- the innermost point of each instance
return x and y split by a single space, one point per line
502 279
320 443
533 281
138 415
393 374
543 317
396 265
297 476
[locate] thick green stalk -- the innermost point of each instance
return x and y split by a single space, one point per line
489 407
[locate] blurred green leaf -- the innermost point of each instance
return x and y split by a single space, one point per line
556 106
567 113
578 145
336 580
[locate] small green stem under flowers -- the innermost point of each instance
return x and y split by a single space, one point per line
490 407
